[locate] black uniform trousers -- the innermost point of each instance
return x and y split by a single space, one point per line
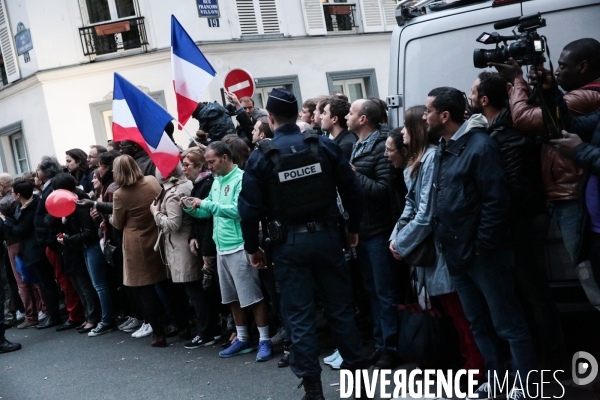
315 261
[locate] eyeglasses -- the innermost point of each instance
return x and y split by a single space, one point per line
186 165
388 151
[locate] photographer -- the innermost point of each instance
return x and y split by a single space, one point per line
528 218
561 176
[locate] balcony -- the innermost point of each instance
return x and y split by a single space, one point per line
114 36
340 17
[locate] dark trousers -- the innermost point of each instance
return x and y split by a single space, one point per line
152 307
529 235
487 292
45 275
206 306
310 261
376 261
594 254
85 289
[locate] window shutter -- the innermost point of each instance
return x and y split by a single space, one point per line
247 17
314 18
372 16
7 46
389 12
268 13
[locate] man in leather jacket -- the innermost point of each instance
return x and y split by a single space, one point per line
528 218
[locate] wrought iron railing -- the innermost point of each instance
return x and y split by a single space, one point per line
113 36
340 17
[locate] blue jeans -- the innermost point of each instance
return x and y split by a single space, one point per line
380 278
568 214
486 290
98 270
309 262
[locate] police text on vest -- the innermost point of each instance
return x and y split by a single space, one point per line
300 172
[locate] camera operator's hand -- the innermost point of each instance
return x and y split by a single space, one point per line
545 74
232 98
84 203
566 145
510 72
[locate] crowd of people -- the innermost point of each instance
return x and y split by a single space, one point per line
324 197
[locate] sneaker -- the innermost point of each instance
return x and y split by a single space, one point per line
328 360
199 342
144 331
236 348
171 331
41 316
26 324
482 392
516 393
230 323
101 329
20 316
279 337
337 363
125 323
134 325
265 350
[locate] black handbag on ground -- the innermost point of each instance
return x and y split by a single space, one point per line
423 255
427 337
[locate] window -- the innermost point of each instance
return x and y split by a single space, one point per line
110 26
353 88
109 10
258 17
264 86
19 154
13 150
9 67
101 113
339 15
355 84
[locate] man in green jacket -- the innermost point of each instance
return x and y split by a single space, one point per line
239 282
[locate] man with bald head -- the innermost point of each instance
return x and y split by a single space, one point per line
378 269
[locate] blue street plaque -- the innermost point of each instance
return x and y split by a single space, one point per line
23 41
208 8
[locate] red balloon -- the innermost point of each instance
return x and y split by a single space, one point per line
61 203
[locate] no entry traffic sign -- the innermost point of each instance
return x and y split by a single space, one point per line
239 82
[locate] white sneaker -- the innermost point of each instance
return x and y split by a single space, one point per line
337 363
20 316
328 360
144 331
133 325
41 316
125 323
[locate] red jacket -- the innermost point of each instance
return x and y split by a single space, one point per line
561 176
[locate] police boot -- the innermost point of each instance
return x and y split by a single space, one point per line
6 346
314 390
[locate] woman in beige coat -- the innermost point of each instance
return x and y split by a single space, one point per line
142 266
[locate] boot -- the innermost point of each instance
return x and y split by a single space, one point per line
6 346
158 341
314 390
285 360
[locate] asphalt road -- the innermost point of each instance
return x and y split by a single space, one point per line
67 365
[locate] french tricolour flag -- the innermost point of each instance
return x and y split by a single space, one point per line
137 117
192 72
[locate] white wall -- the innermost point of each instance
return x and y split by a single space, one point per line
29 106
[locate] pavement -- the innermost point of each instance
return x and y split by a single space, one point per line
67 365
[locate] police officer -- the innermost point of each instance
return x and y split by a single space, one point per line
292 180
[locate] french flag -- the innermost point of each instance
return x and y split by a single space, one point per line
137 117
192 72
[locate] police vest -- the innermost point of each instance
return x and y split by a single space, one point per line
302 191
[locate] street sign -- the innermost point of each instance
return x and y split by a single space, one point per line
208 8
239 82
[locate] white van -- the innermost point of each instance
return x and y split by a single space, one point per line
436 49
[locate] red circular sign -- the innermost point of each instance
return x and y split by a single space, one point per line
239 82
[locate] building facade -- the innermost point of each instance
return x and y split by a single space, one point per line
58 58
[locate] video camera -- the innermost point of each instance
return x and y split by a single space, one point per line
528 49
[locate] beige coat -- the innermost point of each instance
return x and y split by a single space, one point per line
176 226
131 213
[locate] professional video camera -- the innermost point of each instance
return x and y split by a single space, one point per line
527 50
